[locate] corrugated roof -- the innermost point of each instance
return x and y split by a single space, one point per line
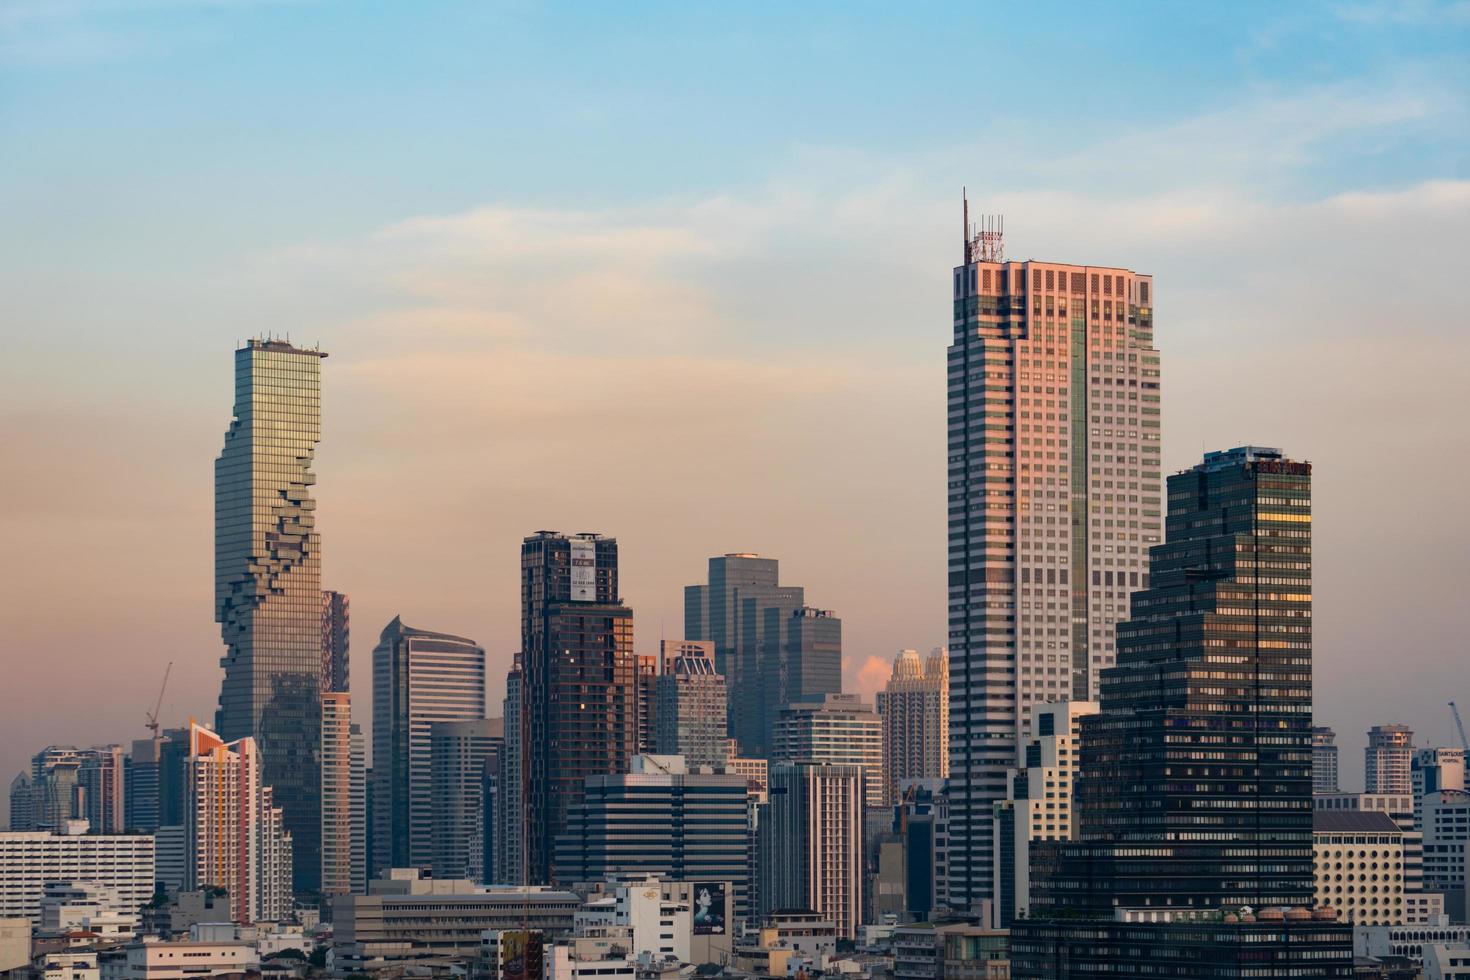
1353 822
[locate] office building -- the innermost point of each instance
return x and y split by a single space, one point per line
1054 501
408 918
930 951
914 707
143 774
1214 680
1388 760
30 860
692 709
1038 804
235 838
22 803
55 789
1360 866
1446 819
419 678
770 647
1324 760
267 593
660 819
1434 770
811 842
579 685
921 818
173 777
508 847
344 798
336 637
841 729
459 753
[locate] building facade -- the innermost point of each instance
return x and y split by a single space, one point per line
459 753
420 678
692 706
1194 793
914 707
344 798
336 642
660 819
811 842
1039 803
580 717
1054 500
1360 866
841 729
1324 760
30 860
235 838
508 848
267 595
1435 770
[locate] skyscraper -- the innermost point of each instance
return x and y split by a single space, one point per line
419 678
336 634
459 753
692 708
235 837
102 782
914 707
510 832
1324 760
268 582
344 802
1194 852
1053 502
769 646
811 842
1388 760
580 713
22 803
55 792
645 700
841 729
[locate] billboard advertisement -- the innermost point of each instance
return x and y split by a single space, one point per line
709 908
584 571
520 955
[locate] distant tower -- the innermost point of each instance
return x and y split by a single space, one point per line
336 634
841 729
1054 499
344 800
691 705
267 595
1388 760
1324 760
22 803
823 871
915 712
460 752
419 677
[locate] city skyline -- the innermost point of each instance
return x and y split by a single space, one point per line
114 404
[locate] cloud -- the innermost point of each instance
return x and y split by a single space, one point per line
872 676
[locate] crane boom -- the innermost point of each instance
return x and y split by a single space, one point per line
158 705
1464 742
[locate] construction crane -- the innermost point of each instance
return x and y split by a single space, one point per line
1464 742
153 715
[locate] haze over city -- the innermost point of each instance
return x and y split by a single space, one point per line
682 276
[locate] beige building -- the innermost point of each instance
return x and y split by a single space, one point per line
841 729
914 708
1360 866
188 960
811 843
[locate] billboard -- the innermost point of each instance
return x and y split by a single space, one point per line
520 955
584 571
709 908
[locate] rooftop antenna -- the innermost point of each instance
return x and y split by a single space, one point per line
985 243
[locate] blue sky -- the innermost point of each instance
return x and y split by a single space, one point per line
701 252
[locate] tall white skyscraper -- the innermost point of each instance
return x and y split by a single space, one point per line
1054 500
1388 760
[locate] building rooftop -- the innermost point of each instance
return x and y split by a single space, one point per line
1353 822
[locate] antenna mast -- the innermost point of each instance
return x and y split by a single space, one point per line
987 242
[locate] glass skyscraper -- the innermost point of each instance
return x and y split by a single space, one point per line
1193 852
1054 500
268 598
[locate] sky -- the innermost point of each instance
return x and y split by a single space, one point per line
679 273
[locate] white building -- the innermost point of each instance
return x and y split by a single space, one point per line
1038 804
841 729
1388 760
1407 941
1446 817
661 927
1443 962
88 906
1434 770
29 860
1360 866
589 958
914 707
188 960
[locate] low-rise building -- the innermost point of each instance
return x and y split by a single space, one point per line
187 960
1443 962
86 905
1384 942
1360 865
950 951
31 860
406 918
